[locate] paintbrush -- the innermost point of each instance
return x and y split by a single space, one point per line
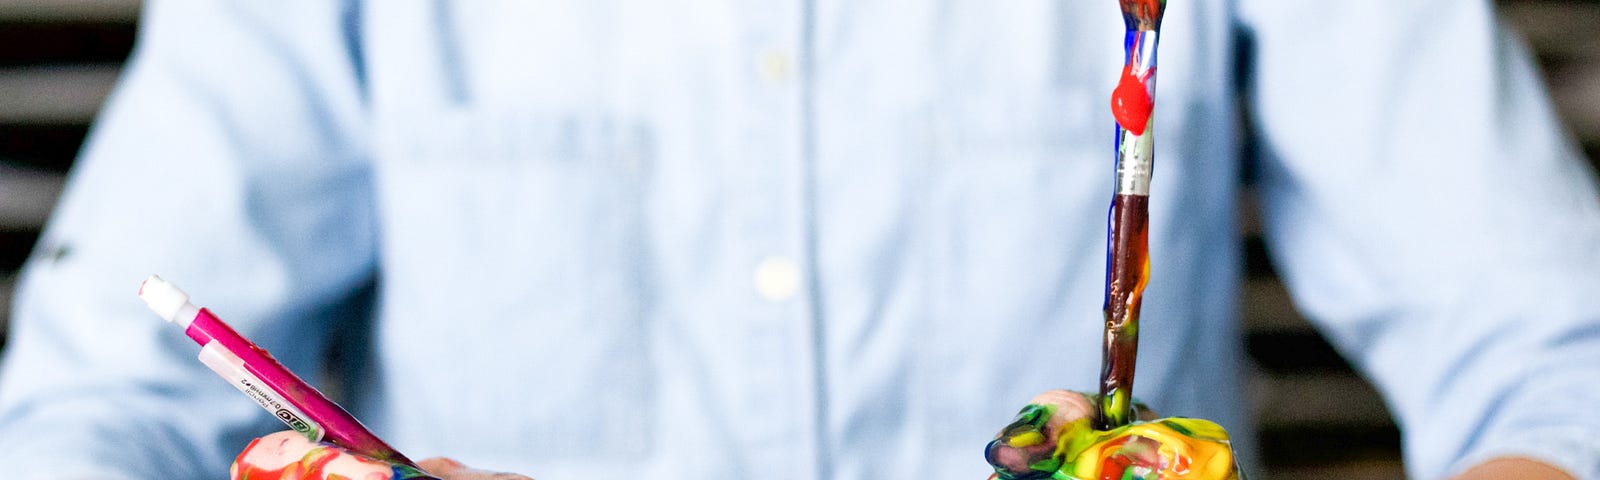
1127 249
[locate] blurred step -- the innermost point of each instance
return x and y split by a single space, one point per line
80 11
6 284
1292 402
1559 30
1565 34
1313 448
57 94
39 44
26 197
47 148
1576 93
1267 308
1362 470
15 245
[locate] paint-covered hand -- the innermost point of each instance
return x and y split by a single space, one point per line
1054 437
287 455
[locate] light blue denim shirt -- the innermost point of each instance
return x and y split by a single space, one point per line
793 240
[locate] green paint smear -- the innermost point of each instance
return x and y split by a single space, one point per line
1069 462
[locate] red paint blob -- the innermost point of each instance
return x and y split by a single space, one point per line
1112 466
1131 103
1131 451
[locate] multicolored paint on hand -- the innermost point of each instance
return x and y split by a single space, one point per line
1166 449
290 456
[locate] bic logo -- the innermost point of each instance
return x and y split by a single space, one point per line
294 421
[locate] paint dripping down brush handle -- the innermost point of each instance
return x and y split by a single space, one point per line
1127 242
1044 443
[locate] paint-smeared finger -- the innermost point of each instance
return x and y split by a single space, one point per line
450 469
1026 448
289 455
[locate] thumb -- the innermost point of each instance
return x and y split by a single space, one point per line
449 469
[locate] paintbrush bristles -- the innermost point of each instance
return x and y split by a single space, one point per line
1143 14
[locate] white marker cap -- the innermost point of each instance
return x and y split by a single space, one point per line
164 298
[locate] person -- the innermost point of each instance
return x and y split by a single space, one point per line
795 240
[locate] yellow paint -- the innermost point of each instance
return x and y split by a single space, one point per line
1025 440
1204 453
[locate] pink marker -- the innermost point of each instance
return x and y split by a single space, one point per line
253 371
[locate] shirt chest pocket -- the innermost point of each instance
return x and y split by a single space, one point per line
1017 246
534 222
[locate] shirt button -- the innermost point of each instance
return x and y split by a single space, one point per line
773 66
777 278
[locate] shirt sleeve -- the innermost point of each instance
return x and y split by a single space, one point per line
228 161
1429 214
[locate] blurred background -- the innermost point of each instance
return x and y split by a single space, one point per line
1319 420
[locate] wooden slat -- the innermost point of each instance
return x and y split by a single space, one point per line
1294 353
26 197
54 94
1250 212
1565 34
1576 91
1322 447
38 44
1266 307
47 148
1359 470
1325 400
107 11
15 245
1556 29
6 285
